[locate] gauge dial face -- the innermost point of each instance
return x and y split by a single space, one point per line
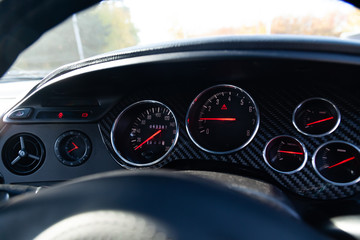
222 119
72 148
316 117
285 154
144 133
338 163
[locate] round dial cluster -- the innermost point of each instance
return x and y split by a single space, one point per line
336 162
224 119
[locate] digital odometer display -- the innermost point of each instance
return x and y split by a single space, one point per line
144 133
222 119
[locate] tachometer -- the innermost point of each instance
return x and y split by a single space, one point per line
222 119
144 133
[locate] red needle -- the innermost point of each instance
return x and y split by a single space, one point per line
75 147
346 160
218 119
322 120
152 136
298 153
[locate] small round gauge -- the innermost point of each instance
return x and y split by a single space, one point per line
316 117
72 148
144 133
338 163
222 119
285 154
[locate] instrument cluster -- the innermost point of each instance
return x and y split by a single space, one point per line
224 119
306 143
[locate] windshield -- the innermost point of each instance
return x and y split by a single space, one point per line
113 25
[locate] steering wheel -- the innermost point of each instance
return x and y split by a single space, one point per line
125 205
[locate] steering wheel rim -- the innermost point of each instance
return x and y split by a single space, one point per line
191 207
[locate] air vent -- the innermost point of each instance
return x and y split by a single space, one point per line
23 154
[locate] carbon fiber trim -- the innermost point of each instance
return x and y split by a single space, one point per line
276 108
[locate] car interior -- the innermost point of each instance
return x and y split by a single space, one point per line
228 137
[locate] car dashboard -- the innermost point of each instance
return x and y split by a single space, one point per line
94 116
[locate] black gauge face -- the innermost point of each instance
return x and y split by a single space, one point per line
222 119
144 133
338 163
316 117
285 154
72 148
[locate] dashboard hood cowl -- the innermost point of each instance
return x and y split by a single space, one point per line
226 43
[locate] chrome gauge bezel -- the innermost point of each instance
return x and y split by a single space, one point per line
63 159
324 178
116 122
233 150
316 135
290 172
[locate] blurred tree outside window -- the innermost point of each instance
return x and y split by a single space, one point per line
117 24
100 29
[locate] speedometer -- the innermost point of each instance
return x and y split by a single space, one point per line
222 119
144 133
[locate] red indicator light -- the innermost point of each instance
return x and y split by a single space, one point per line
224 107
84 115
60 115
